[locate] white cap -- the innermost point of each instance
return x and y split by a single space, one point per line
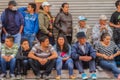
103 17
82 18
45 4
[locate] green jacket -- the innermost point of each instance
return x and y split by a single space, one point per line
44 22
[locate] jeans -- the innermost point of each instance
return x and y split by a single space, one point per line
110 65
30 37
22 68
5 65
37 67
79 64
67 64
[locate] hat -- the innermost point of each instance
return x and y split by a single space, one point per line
103 17
81 35
82 18
12 2
46 4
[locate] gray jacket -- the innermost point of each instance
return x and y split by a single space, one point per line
63 22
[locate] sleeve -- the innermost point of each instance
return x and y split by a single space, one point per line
74 54
115 47
112 18
97 47
69 53
3 50
95 32
92 52
22 10
3 19
36 25
42 24
110 31
15 51
57 22
52 49
21 20
34 49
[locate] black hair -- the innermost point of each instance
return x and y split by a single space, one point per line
12 2
11 38
104 36
62 6
43 38
41 8
65 46
23 40
33 5
117 3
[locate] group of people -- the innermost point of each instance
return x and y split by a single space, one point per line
28 39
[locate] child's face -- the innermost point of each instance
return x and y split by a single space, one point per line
29 8
25 45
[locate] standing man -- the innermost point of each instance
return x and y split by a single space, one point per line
31 25
115 23
12 21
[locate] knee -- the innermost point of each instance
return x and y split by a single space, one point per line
70 63
59 64
59 61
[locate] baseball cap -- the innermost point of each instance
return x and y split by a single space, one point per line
103 17
46 4
82 18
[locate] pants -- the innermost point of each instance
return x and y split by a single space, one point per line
37 67
110 65
5 65
67 64
80 66
30 37
22 69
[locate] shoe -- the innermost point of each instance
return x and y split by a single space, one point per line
2 75
58 78
38 76
93 76
46 77
72 77
84 76
12 76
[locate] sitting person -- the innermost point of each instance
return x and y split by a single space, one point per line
8 53
84 54
106 52
100 28
42 56
82 27
64 60
22 57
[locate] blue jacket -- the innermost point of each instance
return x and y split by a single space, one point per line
31 24
12 21
76 51
59 52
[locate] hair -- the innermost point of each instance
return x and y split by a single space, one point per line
41 8
117 3
33 5
62 6
65 46
23 40
104 36
11 38
43 38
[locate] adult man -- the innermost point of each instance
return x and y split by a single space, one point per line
81 27
12 22
42 57
8 53
100 28
31 25
84 54
115 23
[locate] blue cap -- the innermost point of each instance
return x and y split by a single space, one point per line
82 18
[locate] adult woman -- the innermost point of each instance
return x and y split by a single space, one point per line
64 51
106 52
46 22
63 22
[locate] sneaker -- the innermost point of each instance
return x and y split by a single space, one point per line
12 75
2 75
84 76
93 76
46 77
38 76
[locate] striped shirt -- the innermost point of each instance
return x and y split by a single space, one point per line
109 50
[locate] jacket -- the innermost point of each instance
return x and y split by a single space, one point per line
31 25
63 22
77 52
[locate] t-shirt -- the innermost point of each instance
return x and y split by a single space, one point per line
115 18
37 50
